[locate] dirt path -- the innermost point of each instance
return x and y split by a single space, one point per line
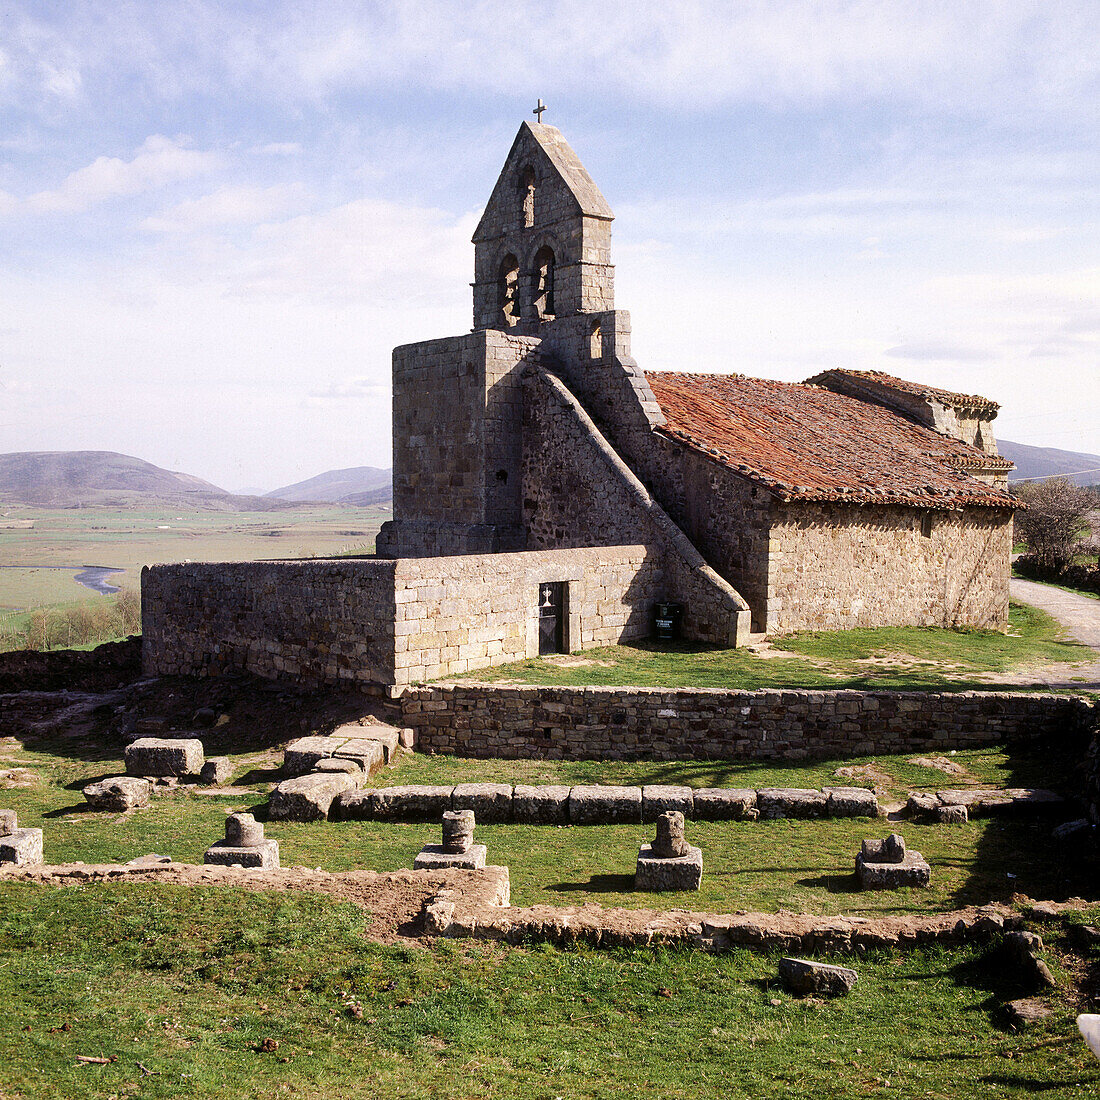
1080 616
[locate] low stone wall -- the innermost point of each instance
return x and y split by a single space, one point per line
387 623
483 720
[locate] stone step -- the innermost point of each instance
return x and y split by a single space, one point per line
597 804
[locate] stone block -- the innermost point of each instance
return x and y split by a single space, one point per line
540 805
911 871
353 806
850 802
23 847
243 831
777 802
265 854
338 764
432 857
458 831
951 815
807 976
657 799
654 873
406 738
371 753
217 771
605 805
491 802
8 822
922 807
723 804
118 794
157 756
890 850
300 755
307 797
411 803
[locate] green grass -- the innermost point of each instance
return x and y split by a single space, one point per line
801 865
889 657
183 985
132 537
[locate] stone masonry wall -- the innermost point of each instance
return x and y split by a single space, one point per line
578 492
835 567
462 613
482 720
316 621
456 445
383 622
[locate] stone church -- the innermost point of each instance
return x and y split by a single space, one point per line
542 477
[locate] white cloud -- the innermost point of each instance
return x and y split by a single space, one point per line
278 148
227 206
159 161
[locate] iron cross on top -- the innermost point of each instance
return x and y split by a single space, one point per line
537 112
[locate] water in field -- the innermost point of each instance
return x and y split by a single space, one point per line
90 576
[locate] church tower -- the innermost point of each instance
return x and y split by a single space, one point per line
542 249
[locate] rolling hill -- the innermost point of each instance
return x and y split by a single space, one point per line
1084 469
72 479
358 485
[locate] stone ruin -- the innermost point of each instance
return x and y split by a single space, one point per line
22 847
118 793
669 863
165 757
244 845
458 848
886 865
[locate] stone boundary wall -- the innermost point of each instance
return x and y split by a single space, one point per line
314 621
566 723
387 623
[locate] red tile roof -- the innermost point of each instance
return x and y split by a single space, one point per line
804 442
916 389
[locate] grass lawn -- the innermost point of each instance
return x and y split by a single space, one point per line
889 657
798 865
183 986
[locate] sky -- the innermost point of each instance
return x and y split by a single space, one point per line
218 218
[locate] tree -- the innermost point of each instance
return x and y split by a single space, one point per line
1052 519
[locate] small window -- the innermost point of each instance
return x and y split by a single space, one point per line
544 282
508 291
926 523
595 341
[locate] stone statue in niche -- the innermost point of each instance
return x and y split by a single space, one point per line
527 192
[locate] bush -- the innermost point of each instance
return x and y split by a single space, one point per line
1086 578
97 620
1053 520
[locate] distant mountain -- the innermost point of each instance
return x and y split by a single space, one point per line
360 485
71 479
1084 469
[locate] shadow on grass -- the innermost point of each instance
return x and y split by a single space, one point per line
597 884
70 811
259 775
835 884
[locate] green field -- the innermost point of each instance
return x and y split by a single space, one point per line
130 538
889 657
210 992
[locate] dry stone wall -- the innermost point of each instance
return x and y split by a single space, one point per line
709 724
